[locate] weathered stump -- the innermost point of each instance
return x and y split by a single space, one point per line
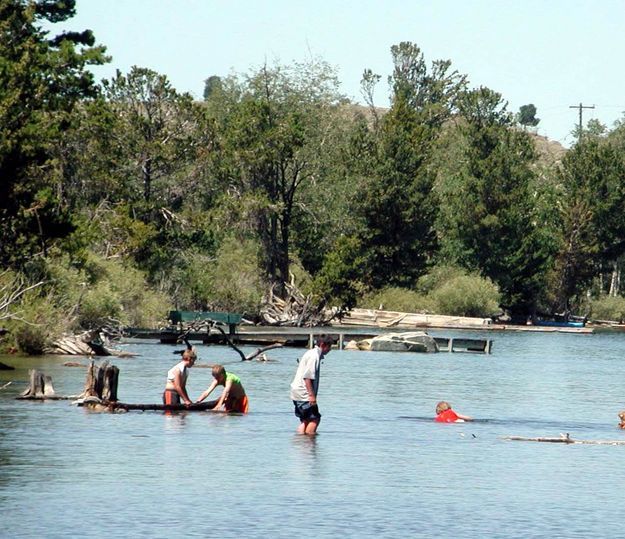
101 382
40 387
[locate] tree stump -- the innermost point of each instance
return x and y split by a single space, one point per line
40 387
101 382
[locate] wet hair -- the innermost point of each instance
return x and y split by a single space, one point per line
324 339
189 354
218 371
442 406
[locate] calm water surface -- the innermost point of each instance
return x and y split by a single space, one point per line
380 466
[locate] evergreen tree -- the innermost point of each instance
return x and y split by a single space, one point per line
41 80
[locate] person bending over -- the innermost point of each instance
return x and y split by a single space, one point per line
233 397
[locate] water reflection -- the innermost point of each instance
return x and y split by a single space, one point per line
305 456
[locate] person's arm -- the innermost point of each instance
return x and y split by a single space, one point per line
464 417
224 395
312 398
179 386
208 391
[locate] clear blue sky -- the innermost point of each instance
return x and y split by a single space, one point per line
553 53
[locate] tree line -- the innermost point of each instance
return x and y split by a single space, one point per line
125 198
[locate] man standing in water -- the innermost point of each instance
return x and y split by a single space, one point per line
306 384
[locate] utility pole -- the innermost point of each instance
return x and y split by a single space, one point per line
580 107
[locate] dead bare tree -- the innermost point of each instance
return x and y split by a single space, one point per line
11 290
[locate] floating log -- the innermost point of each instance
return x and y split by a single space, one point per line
564 439
6 385
116 407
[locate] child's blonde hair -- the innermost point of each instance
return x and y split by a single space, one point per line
218 371
442 406
189 354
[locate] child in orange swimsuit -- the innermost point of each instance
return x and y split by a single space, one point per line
444 414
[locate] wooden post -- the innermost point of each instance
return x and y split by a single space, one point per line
451 345
340 341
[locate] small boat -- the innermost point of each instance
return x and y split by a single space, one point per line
560 323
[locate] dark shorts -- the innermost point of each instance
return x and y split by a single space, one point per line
306 411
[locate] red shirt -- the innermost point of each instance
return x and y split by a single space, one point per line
448 416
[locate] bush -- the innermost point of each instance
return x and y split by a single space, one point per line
120 293
437 277
396 299
608 308
38 322
466 295
228 282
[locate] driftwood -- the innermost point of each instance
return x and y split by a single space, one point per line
98 405
208 325
39 388
293 309
260 352
89 343
388 319
565 439
6 385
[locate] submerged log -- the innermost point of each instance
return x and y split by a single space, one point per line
115 407
564 439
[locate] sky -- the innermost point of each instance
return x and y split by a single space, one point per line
554 54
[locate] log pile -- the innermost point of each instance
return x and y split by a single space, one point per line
89 343
295 310
389 319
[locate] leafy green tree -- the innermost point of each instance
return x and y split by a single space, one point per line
157 132
41 80
527 116
272 126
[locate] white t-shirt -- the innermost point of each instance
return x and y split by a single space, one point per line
309 367
184 371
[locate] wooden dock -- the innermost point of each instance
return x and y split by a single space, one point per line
300 337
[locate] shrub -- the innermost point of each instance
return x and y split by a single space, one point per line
608 308
437 277
38 322
466 295
396 299
120 293
228 282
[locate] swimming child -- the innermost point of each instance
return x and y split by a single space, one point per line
233 397
621 416
444 414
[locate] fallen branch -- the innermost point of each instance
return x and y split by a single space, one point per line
564 439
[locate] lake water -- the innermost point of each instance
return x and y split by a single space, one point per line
380 467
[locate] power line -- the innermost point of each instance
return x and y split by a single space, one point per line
580 107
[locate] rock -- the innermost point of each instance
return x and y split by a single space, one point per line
417 341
